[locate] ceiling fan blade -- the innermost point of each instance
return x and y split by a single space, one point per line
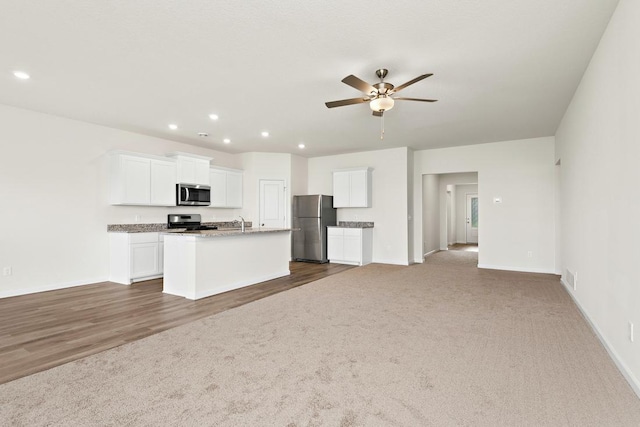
416 99
361 85
410 82
344 102
378 113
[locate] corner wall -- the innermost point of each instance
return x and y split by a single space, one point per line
521 173
598 142
430 213
55 199
389 209
257 166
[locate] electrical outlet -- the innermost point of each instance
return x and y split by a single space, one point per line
630 331
6 271
529 254
138 218
575 280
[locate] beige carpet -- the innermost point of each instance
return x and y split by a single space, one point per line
437 344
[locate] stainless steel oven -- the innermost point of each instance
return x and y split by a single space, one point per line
193 195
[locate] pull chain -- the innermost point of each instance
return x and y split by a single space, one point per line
382 126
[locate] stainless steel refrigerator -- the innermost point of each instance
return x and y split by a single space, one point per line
311 216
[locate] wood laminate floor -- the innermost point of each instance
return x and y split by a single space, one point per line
43 330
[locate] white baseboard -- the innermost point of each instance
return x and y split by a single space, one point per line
431 252
391 261
622 367
521 269
52 287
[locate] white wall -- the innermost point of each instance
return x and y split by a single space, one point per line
461 211
522 173
389 200
265 166
409 196
299 175
598 142
451 214
54 195
431 213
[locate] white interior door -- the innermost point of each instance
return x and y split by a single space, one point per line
272 204
472 218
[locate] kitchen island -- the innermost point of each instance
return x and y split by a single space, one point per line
199 264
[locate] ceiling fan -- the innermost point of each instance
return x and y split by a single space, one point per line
378 95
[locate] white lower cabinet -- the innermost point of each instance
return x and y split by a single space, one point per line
349 245
144 259
134 257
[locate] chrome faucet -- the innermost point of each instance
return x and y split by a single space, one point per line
242 224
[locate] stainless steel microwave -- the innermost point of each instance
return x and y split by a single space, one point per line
193 195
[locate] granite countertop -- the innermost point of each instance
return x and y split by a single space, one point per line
355 224
226 232
162 227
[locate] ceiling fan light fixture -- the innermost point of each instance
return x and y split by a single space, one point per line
382 103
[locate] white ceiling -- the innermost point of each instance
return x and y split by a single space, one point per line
503 69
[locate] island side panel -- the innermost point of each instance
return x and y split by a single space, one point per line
180 266
225 263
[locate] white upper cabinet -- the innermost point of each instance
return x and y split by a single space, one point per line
234 189
138 179
163 183
135 180
341 192
226 188
218 182
352 188
192 169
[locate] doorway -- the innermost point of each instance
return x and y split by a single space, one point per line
444 211
472 219
272 203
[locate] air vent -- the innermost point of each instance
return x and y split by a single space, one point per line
570 278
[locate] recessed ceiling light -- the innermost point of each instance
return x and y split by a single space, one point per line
300 145
173 127
203 134
226 140
213 116
21 75
265 133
